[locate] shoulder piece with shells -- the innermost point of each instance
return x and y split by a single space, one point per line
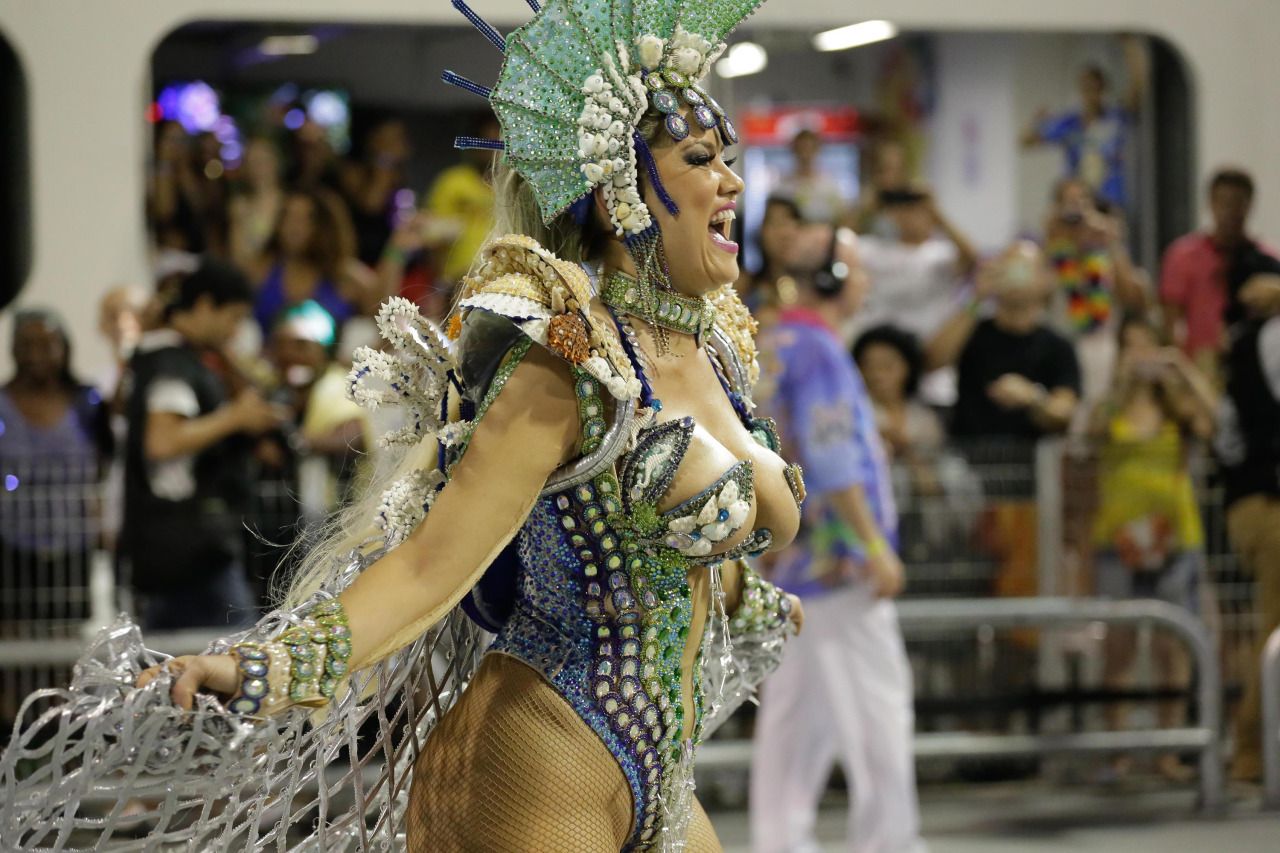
549 300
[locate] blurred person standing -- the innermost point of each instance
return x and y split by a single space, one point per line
891 362
888 170
1018 378
186 459
916 276
309 257
303 466
844 689
1248 445
255 208
1094 137
313 387
925 471
1018 382
175 201
313 165
1147 532
121 313
1195 291
460 205
54 438
370 183
1096 281
813 190
773 283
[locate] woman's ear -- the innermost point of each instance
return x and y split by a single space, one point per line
600 209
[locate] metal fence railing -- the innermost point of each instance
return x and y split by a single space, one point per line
977 523
923 618
1271 720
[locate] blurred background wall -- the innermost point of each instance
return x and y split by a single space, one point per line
85 76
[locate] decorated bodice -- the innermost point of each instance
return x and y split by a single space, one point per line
604 607
607 586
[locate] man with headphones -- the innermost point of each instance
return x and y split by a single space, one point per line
844 689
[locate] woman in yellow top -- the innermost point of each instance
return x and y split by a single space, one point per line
1148 532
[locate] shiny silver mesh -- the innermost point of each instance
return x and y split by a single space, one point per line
107 766
111 767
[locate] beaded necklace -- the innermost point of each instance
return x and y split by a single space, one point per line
665 309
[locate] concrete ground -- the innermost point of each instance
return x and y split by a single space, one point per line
1031 817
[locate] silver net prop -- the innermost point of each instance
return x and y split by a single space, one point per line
103 765
107 766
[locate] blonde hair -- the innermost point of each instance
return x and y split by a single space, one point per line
325 548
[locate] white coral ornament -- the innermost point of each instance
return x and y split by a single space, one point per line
414 376
650 49
405 504
604 142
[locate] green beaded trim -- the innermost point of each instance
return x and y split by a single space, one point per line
668 309
763 608
320 653
590 411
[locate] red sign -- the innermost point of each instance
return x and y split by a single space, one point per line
777 125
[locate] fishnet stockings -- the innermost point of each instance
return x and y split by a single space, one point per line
512 768
702 836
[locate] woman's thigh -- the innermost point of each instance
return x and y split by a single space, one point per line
512 767
702 835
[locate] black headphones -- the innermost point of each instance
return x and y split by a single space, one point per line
829 278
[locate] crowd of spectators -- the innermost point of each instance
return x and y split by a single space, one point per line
219 427
224 395
1151 380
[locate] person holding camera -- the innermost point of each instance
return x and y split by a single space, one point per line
1147 532
916 275
844 688
1095 282
187 453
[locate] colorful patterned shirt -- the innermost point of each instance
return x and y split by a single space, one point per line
830 427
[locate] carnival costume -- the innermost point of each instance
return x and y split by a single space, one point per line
592 591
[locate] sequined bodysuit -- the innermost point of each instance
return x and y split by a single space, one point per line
604 610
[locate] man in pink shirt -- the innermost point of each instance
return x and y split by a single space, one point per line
1194 286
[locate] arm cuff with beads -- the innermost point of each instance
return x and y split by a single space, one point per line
304 666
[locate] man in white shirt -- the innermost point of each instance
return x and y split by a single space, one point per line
916 277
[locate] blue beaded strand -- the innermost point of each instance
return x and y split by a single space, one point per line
467 85
646 390
480 24
651 168
476 142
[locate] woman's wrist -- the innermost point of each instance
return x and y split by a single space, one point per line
876 546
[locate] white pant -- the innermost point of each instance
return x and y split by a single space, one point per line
843 692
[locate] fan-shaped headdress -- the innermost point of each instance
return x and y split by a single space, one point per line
578 78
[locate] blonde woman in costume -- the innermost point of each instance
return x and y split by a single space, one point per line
589 495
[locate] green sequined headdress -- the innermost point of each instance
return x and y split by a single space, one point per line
579 77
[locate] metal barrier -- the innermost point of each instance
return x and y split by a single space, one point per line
1271 721
65 652
926 616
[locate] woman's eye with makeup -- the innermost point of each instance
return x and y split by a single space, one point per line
698 159
731 162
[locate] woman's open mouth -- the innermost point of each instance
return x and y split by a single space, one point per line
720 227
